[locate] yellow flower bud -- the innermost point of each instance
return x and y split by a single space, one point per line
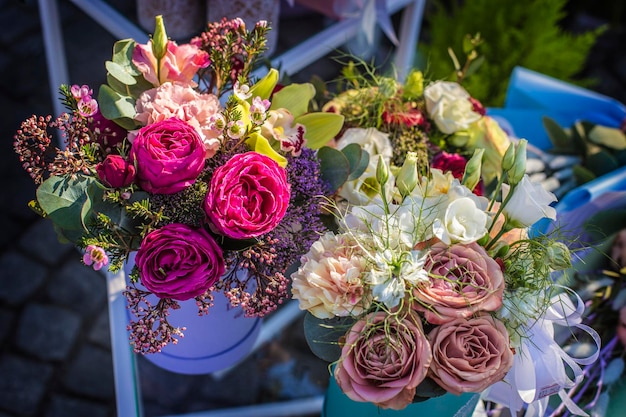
159 38
407 177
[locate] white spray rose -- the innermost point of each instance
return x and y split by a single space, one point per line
449 106
463 222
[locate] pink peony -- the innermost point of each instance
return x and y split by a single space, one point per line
115 171
169 156
383 360
180 63
470 355
182 102
178 261
248 196
464 280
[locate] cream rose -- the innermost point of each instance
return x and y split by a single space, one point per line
529 203
471 354
462 222
449 105
328 283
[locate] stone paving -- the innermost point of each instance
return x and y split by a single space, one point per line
55 351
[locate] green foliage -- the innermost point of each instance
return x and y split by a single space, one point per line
515 33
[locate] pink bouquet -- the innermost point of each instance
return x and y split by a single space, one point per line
190 163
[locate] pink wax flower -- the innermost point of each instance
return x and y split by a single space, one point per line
115 171
179 262
180 63
96 257
464 280
169 155
248 196
383 361
470 354
183 102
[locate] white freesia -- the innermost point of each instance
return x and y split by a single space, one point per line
529 203
462 222
449 105
377 144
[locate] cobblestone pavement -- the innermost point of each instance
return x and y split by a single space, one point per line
55 352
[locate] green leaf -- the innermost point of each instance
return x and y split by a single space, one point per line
323 335
604 223
428 388
114 105
119 73
601 162
558 136
335 167
295 98
358 159
321 127
62 199
123 55
582 174
608 136
474 66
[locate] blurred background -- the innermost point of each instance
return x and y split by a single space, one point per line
55 350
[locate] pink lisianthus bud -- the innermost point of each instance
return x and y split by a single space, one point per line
95 256
116 172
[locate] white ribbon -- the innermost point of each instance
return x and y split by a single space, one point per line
539 369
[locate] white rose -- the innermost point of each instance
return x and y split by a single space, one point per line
449 106
462 222
529 203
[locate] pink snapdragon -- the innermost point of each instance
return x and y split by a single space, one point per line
96 257
180 63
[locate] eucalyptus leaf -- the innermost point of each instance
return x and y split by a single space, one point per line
294 97
114 105
607 136
558 136
95 203
474 65
323 335
321 127
358 158
119 73
335 167
123 55
614 371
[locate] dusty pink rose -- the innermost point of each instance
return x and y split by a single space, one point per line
184 103
471 354
178 261
464 280
180 63
248 196
115 171
383 361
169 156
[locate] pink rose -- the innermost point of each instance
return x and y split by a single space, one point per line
180 63
248 196
383 361
464 280
178 261
169 156
471 354
115 171
184 103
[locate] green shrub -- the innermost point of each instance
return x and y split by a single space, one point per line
524 33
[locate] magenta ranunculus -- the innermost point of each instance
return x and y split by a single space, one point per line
116 171
178 261
383 360
169 156
248 196
470 355
464 280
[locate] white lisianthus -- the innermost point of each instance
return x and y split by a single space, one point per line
529 203
462 222
449 105
377 144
